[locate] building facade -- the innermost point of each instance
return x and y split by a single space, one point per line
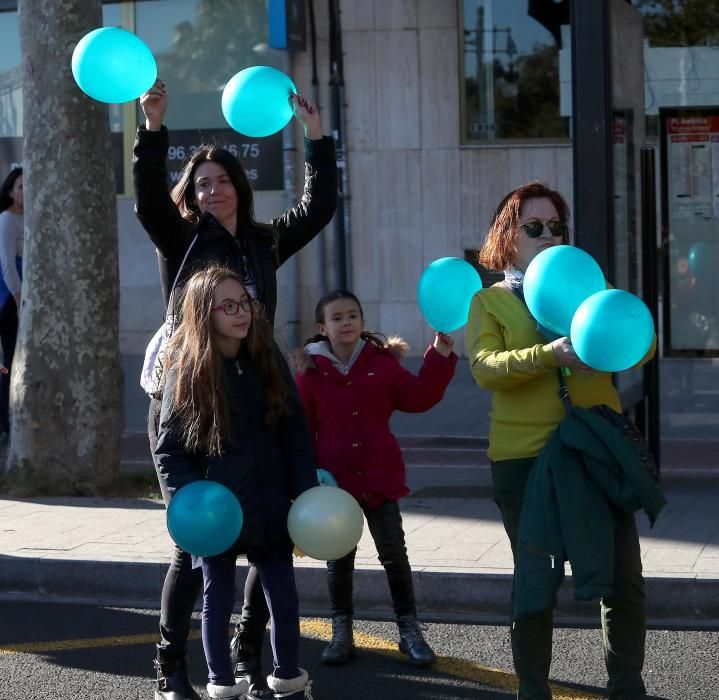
446 105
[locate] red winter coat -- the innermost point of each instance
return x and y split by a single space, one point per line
348 415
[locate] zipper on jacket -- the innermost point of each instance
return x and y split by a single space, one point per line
538 551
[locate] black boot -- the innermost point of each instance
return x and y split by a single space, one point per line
173 682
247 662
412 643
341 649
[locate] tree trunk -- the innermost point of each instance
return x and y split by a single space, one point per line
66 393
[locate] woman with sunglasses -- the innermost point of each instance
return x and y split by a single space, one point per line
511 357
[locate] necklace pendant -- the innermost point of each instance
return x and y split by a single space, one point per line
238 368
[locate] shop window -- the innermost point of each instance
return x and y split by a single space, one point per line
516 73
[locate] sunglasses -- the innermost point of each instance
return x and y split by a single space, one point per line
534 229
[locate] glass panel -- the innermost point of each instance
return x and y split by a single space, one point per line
203 45
10 76
512 70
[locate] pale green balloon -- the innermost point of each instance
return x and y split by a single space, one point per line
325 522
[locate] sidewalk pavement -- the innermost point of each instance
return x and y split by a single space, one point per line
117 551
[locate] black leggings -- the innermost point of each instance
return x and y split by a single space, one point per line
8 338
183 585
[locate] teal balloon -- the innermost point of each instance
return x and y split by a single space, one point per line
612 330
700 261
557 281
445 291
255 101
113 65
325 522
325 478
204 518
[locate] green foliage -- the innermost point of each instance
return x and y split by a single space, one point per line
680 22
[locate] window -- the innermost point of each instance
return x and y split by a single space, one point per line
516 70
199 45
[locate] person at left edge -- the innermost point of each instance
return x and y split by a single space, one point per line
213 199
12 210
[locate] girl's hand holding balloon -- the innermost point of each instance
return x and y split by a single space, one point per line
154 105
566 357
443 344
308 115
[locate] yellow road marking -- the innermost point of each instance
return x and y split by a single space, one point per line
466 670
93 643
320 629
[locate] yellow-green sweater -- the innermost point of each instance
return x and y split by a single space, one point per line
510 358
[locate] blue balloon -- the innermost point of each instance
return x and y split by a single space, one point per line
445 291
557 281
612 330
204 518
700 261
113 65
325 478
255 101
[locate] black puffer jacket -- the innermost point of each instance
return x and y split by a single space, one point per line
266 246
265 466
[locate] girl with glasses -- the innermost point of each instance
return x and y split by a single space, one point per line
510 357
231 414
351 382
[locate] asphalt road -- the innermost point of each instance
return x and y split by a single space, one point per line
80 651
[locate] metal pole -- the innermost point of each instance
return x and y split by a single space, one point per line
316 100
650 293
289 151
336 83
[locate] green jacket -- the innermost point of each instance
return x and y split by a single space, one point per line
585 475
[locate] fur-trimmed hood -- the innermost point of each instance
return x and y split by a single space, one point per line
302 359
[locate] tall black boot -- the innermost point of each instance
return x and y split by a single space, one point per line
173 682
247 660
412 642
341 648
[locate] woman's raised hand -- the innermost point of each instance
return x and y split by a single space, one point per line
443 344
308 115
154 105
566 357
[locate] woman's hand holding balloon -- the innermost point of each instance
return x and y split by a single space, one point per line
308 115
566 357
443 344
154 105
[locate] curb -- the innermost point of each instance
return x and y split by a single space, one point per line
464 596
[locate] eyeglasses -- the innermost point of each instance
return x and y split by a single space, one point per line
231 308
535 228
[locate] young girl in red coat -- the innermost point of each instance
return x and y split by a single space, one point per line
350 382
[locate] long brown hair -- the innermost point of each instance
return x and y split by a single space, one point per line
498 250
200 400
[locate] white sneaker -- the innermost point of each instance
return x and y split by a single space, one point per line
238 691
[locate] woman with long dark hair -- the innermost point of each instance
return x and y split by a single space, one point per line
209 219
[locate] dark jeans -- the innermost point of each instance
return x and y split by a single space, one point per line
385 525
8 338
623 613
183 584
278 583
